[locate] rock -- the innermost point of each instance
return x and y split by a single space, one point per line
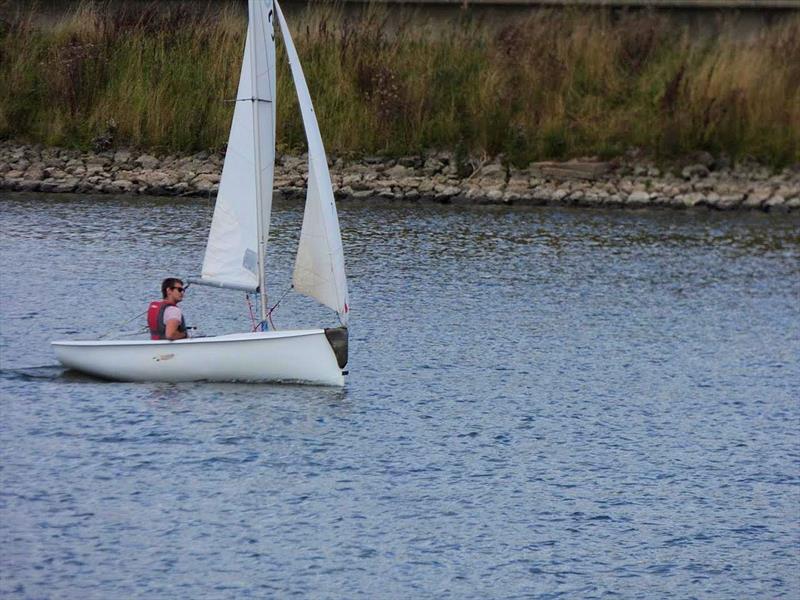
775 203
51 185
584 182
703 158
494 195
123 185
570 169
491 173
147 161
517 183
447 192
595 197
180 189
397 171
410 161
54 173
788 191
432 166
204 185
209 177
425 186
351 179
409 183
695 171
638 198
690 199
757 198
729 201
575 197
27 185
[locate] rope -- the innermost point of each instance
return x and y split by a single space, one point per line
270 311
139 316
252 315
274 306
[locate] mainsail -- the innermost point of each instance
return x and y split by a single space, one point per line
240 226
319 266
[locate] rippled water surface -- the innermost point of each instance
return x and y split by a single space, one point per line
541 403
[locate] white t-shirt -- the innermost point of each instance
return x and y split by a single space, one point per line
172 312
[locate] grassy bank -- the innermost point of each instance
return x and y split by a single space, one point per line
555 85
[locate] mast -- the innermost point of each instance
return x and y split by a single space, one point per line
262 242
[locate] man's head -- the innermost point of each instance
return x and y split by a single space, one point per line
172 290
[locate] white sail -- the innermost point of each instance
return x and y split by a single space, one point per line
240 225
319 266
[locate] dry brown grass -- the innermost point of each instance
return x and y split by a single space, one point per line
556 84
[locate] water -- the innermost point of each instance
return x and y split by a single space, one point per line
541 403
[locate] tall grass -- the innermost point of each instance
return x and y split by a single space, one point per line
552 85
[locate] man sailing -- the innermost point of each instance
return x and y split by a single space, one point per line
164 318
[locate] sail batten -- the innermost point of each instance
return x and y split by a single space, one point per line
319 266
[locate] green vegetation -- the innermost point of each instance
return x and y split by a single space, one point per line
553 85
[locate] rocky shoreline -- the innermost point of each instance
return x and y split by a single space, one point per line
632 183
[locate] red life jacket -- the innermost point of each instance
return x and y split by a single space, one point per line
155 320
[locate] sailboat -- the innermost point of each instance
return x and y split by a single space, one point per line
236 249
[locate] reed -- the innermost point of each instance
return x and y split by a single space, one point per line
554 85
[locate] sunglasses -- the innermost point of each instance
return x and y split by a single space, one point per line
180 289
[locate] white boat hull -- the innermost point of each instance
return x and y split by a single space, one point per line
301 356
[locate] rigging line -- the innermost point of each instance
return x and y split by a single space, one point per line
274 306
252 315
139 332
139 316
270 311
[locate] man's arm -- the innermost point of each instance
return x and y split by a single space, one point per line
172 332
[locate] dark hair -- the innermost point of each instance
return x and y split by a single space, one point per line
169 282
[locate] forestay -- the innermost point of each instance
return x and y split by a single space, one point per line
245 191
319 266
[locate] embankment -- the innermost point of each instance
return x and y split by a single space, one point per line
705 182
